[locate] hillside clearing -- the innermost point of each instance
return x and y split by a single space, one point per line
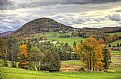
115 43
117 33
54 36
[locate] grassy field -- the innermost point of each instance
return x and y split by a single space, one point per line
15 73
118 33
54 36
115 43
116 63
51 34
70 41
116 52
72 62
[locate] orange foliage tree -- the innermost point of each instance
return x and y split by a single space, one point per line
109 38
101 41
91 54
23 57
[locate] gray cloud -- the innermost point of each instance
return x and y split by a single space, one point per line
115 17
78 1
118 10
10 22
79 20
7 28
15 13
6 4
15 4
99 19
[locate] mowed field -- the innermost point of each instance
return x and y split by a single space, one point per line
15 73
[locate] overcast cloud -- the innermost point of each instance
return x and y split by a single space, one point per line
76 13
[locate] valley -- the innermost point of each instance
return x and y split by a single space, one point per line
44 48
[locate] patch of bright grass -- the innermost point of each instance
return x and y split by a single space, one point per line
116 52
15 73
72 62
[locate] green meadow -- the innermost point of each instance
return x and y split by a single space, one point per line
115 43
54 36
114 72
72 62
118 33
16 73
116 52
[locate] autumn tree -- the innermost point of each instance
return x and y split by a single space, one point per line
101 41
109 38
23 56
91 53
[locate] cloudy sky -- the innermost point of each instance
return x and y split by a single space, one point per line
76 13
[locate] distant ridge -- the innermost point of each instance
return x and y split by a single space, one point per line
6 33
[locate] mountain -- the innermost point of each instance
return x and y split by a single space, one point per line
6 33
41 25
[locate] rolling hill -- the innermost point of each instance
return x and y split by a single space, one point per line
41 25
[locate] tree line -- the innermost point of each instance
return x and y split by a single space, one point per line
47 56
34 55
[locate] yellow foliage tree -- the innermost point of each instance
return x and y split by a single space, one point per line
91 54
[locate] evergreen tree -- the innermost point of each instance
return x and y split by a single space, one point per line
74 44
109 45
118 45
107 58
